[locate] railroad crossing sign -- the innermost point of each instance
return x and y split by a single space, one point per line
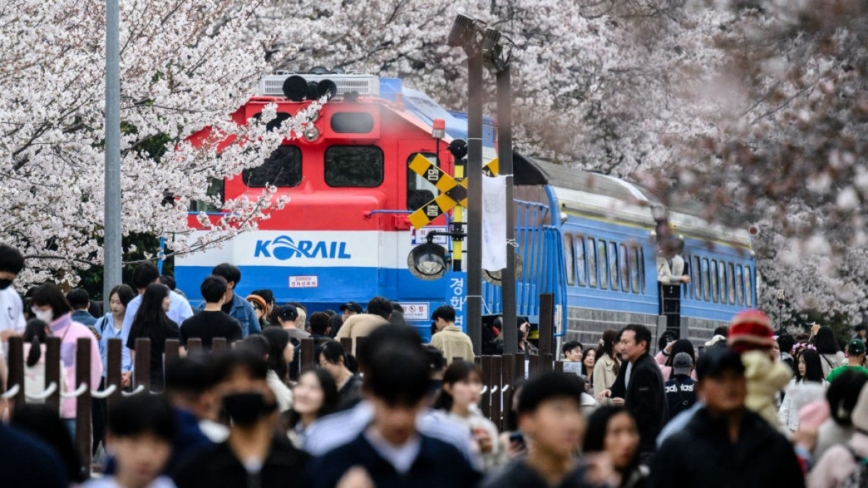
452 191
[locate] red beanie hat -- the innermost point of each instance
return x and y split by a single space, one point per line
751 329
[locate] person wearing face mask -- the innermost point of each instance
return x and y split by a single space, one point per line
253 455
11 309
50 306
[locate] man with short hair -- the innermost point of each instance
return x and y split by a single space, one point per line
362 324
235 305
725 444
448 337
572 351
253 454
80 301
855 360
189 387
391 452
211 322
861 332
319 327
639 387
11 308
349 309
549 415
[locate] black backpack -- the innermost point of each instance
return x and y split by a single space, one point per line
859 477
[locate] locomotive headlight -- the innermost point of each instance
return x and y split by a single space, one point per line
311 134
428 261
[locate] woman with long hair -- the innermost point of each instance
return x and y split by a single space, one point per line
608 365
50 306
612 430
806 387
831 355
332 357
665 356
459 399
151 322
261 346
588 363
110 327
316 395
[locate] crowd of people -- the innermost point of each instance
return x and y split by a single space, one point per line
752 407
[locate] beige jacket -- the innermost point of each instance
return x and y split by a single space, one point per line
604 374
453 344
360 325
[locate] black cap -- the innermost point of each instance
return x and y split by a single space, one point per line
716 360
287 312
351 306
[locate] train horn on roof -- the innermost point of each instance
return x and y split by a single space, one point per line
295 88
326 88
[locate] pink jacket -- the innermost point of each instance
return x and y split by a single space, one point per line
837 463
70 332
667 370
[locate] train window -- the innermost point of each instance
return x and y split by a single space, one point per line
604 263
216 187
580 261
419 190
697 279
281 169
739 285
634 269
352 122
613 264
354 166
706 290
713 275
624 261
568 259
748 287
723 281
731 284
642 269
592 264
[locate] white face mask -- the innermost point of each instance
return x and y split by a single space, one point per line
44 315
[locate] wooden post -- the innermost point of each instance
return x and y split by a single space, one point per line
520 367
142 373
173 351
360 341
559 366
455 359
496 379
547 364
52 370
219 345
546 323
113 369
307 353
534 365
83 434
16 368
347 344
194 345
478 362
485 398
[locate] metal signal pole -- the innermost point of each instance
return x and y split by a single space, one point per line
474 198
112 223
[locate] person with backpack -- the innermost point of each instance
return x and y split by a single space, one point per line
680 394
846 465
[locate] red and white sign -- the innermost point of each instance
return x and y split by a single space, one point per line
416 311
303 282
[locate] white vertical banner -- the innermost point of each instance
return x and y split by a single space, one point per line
493 223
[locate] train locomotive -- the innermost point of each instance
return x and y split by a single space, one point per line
345 233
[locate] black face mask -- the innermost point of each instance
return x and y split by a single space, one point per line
4 283
245 409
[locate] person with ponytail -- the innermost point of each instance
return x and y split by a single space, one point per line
332 357
35 335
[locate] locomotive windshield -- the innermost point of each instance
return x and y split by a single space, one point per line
281 169
354 166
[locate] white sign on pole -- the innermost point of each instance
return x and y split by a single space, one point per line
416 311
494 223
303 281
419 236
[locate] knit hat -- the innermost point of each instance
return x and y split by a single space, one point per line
860 411
751 329
258 301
